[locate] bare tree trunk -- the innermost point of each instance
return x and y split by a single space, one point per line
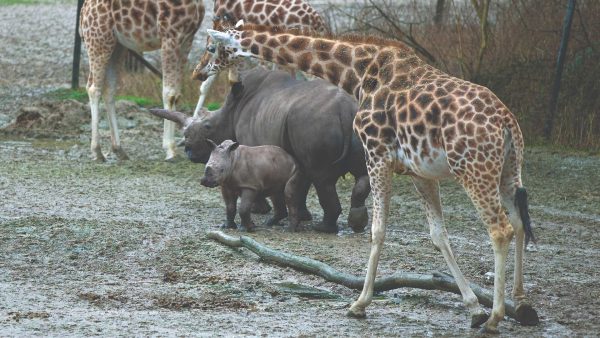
435 281
438 18
482 8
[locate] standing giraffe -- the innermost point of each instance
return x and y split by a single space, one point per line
414 119
108 27
288 13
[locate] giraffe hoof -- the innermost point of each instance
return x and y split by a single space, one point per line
526 315
478 319
486 331
121 155
358 219
358 314
172 158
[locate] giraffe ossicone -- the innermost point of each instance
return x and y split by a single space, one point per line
417 120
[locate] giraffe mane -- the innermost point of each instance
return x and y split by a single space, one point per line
350 38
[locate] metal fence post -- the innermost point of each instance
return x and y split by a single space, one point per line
549 125
76 49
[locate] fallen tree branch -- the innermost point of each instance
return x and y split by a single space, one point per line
436 281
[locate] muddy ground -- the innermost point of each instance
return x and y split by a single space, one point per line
120 249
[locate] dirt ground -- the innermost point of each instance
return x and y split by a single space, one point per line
119 249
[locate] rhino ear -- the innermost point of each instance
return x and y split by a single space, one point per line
237 88
211 144
233 146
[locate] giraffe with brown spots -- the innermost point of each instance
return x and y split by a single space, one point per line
108 27
415 120
288 13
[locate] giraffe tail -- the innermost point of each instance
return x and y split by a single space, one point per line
346 124
521 202
523 207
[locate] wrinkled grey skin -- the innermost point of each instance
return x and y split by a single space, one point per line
250 173
311 120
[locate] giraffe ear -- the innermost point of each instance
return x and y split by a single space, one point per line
239 24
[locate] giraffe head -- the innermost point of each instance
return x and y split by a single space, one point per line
219 56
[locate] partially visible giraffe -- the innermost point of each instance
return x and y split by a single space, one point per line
110 26
288 13
414 119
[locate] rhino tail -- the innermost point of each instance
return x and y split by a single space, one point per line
345 124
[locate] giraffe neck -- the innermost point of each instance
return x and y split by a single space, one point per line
346 64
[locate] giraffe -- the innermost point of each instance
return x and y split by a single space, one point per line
108 27
289 13
416 120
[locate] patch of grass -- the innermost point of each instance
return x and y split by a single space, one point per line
140 101
213 106
68 94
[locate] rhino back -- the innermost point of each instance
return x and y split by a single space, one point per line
311 120
263 168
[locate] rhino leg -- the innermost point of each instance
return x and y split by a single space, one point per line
261 206
295 196
280 213
230 198
302 186
247 198
358 217
328 198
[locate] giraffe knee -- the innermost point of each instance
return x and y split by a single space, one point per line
501 235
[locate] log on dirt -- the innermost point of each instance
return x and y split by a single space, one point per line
435 281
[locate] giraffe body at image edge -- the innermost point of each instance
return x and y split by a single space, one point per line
108 27
416 120
289 13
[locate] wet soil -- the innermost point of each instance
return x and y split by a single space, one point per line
119 248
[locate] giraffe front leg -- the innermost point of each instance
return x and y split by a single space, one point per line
204 88
170 96
380 174
172 74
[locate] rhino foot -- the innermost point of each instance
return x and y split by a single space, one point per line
304 215
326 228
261 206
228 225
358 218
250 227
273 221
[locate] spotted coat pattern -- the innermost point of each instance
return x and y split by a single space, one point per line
108 26
288 13
416 120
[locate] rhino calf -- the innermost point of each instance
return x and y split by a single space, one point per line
251 172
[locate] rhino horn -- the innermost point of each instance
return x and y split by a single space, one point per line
174 116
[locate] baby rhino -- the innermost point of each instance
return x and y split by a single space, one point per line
250 173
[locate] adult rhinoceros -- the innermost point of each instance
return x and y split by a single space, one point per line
311 120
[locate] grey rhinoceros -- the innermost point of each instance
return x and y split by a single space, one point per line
311 120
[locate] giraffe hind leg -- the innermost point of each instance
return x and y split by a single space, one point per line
485 196
112 77
514 199
429 192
